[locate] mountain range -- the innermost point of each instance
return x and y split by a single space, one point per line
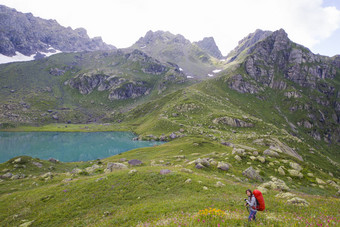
30 37
268 112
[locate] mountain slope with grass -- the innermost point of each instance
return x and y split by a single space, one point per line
268 121
82 87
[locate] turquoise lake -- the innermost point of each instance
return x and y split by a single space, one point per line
68 146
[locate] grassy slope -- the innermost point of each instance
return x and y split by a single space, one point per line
124 199
148 197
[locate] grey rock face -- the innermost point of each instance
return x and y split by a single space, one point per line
271 153
208 44
223 166
37 164
239 84
165 171
135 162
28 35
252 174
113 166
234 122
276 53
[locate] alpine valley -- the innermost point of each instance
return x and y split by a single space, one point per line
265 116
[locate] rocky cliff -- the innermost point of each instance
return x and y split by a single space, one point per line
208 44
29 35
309 82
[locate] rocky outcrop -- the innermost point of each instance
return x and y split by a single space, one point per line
130 90
233 122
87 83
29 35
276 184
277 54
238 83
252 174
208 44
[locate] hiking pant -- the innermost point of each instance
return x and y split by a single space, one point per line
252 215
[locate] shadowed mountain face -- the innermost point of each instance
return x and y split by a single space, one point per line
29 35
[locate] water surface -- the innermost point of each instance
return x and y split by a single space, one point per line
67 146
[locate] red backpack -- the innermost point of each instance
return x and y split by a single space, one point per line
260 200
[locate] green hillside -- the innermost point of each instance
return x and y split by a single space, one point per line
269 121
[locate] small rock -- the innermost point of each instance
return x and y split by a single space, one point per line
255 153
53 160
122 160
133 171
252 174
173 136
262 190
223 166
281 171
271 153
298 202
295 166
5 170
261 159
67 179
276 184
319 181
92 168
213 163
252 158
188 181
135 162
47 176
37 164
285 195
219 184
7 175
17 161
310 174
199 166
295 173
115 166
179 156
203 162
205 188
238 158
76 171
186 170
165 171
26 224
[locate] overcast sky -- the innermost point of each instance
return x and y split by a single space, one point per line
312 23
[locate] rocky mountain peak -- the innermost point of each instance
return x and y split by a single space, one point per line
162 36
30 36
247 42
208 44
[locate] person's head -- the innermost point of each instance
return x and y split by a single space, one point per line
249 193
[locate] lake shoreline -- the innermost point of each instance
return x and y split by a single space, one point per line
58 127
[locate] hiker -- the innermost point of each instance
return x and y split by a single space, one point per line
252 205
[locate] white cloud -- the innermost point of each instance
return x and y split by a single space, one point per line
122 22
